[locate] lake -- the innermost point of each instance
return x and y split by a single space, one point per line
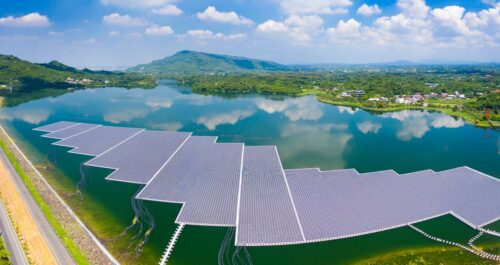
307 133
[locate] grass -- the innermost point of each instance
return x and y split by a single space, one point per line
75 252
4 254
425 256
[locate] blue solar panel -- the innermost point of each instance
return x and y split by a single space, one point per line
98 140
71 131
53 127
227 184
266 212
138 159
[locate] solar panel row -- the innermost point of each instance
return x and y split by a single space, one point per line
71 131
139 158
229 184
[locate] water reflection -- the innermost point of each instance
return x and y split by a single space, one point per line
211 121
33 116
368 127
166 126
125 115
304 108
306 144
159 103
415 124
348 110
447 122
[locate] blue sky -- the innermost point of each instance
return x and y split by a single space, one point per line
108 33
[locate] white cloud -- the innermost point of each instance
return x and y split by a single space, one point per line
306 23
235 36
158 30
413 8
345 31
114 33
29 20
272 26
125 20
211 121
168 10
301 29
367 10
489 2
450 17
315 6
368 127
136 3
487 18
202 34
211 14
444 121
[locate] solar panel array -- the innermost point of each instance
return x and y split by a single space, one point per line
229 184
71 131
53 127
266 214
98 140
139 158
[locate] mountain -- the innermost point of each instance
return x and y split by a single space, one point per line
192 62
56 65
28 79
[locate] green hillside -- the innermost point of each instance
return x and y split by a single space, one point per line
29 79
193 63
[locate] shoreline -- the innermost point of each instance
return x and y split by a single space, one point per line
467 116
77 238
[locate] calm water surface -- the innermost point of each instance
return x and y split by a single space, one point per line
307 133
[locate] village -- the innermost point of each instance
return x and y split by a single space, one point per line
83 81
405 99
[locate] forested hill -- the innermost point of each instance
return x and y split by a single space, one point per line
21 81
191 62
25 76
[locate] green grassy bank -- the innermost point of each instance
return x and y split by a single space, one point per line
4 254
63 234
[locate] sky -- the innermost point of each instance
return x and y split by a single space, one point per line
117 33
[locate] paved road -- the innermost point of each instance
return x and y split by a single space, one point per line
56 246
12 243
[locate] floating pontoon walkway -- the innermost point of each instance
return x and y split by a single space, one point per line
229 184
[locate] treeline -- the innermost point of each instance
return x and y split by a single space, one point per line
373 83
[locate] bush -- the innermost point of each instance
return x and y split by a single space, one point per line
4 254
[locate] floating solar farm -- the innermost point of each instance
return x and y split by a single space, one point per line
233 185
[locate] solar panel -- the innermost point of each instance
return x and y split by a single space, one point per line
266 212
138 159
173 182
71 131
53 127
227 184
213 198
474 196
98 140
